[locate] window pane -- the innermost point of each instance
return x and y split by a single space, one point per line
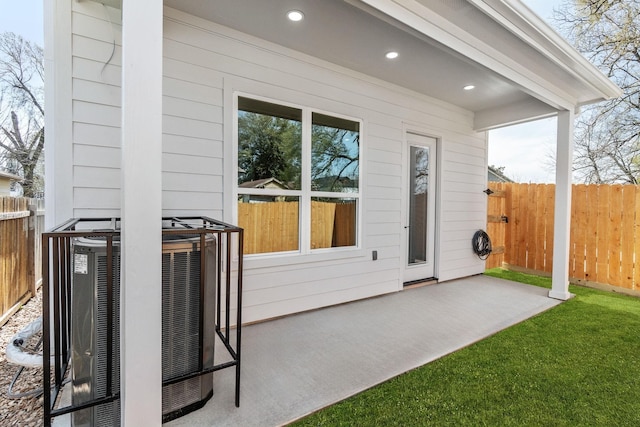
270 223
418 208
333 222
335 147
269 145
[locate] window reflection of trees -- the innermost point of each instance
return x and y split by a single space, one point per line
271 196
269 147
421 173
335 155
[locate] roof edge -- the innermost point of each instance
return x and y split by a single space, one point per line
10 176
585 71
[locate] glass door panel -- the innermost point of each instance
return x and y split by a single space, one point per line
418 204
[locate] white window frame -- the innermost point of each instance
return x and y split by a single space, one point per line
305 194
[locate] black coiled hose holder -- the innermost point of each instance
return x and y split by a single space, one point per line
481 244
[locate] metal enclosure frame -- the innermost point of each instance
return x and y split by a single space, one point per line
57 265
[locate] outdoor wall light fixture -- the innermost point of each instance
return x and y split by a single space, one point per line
391 55
295 15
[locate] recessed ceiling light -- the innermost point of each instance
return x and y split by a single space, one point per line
295 15
469 87
391 55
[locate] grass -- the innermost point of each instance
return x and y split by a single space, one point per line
577 364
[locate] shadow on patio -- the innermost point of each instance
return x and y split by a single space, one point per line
298 364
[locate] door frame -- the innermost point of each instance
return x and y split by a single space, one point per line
404 267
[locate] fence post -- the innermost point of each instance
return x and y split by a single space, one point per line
31 246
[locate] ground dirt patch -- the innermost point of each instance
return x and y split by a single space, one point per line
26 411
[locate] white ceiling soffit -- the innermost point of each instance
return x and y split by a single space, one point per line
443 45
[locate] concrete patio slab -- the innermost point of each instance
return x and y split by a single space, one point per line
298 364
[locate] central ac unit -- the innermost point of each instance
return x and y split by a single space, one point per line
188 324
89 332
187 294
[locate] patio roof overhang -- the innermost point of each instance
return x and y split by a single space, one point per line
521 69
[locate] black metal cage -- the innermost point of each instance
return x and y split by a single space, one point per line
202 275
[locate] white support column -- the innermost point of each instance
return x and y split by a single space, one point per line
141 292
58 116
562 220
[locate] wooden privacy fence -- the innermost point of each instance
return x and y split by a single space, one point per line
496 224
21 225
520 224
605 231
273 226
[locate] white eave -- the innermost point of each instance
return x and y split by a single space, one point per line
529 27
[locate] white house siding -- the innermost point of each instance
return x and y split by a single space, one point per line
203 64
464 205
96 101
5 186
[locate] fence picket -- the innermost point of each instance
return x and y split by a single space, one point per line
550 219
579 231
615 237
530 241
602 233
520 221
495 226
508 229
538 237
626 242
592 234
636 242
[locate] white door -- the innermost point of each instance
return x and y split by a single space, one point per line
420 221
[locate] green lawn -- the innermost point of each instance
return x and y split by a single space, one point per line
575 365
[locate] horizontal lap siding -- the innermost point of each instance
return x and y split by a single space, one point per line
200 59
192 124
96 111
463 204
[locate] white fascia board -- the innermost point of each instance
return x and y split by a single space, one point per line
583 70
429 23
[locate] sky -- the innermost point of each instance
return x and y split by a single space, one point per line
23 17
524 150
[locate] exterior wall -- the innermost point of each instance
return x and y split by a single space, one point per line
96 113
204 64
5 186
5 183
